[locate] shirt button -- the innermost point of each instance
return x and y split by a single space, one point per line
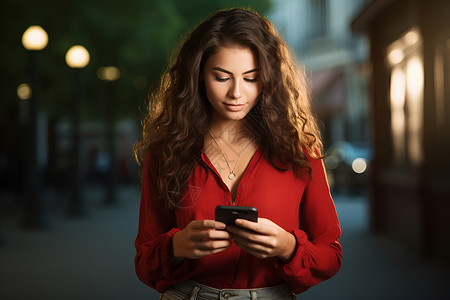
226 296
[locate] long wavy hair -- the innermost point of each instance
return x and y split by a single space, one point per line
179 113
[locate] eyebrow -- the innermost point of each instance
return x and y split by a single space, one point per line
228 72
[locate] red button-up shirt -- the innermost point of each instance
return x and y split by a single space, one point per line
301 205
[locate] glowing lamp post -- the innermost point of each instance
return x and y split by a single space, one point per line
77 57
34 39
110 75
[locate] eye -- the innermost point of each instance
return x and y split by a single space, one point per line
251 79
220 79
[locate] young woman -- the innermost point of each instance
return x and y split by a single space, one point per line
231 125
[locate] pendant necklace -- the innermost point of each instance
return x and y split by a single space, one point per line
232 175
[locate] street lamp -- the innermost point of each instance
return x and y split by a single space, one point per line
34 39
109 75
24 91
77 57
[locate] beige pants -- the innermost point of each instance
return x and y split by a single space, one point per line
190 290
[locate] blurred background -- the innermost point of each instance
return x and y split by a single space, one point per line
74 83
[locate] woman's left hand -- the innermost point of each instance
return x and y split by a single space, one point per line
263 239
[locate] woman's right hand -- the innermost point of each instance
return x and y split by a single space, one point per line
200 238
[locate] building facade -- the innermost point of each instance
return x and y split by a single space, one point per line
410 105
335 61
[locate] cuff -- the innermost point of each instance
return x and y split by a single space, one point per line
301 240
171 270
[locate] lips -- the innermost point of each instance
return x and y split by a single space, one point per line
234 107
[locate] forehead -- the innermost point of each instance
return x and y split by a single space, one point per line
235 60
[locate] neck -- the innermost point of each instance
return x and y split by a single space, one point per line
229 131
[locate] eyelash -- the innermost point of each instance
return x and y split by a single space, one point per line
221 79
246 79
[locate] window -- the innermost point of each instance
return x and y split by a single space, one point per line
405 59
319 18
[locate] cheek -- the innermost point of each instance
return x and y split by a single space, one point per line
213 91
255 91
209 91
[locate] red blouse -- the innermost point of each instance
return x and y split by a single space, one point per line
303 206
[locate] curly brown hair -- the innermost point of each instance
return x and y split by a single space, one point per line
178 116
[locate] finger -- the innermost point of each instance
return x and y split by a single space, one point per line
203 224
213 234
256 251
210 234
237 230
220 225
254 239
248 224
244 233
219 235
217 250
263 226
212 245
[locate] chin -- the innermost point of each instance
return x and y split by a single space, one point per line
236 117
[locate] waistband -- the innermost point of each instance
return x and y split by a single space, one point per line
199 291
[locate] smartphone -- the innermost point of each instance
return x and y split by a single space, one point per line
228 214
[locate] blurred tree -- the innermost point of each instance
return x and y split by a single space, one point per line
135 35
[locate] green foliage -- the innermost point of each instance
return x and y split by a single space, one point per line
135 35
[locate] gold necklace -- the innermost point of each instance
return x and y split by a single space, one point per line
232 175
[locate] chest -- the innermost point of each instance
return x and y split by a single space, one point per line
231 165
276 195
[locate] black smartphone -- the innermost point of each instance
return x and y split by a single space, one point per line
228 214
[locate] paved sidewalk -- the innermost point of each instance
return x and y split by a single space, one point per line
86 258
378 268
92 258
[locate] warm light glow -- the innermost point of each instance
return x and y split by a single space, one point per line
406 97
35 38
414 90
411 37
24 91
396 56
359 165
398 86
77 57
398 128
414 77
108 73
439 88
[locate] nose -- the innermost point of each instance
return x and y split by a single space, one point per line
235 92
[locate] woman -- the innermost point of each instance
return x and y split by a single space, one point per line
231 125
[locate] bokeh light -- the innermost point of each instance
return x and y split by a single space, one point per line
35 38
77 57
109 73
24 91
359 165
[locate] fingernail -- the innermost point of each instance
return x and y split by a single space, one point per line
238 222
